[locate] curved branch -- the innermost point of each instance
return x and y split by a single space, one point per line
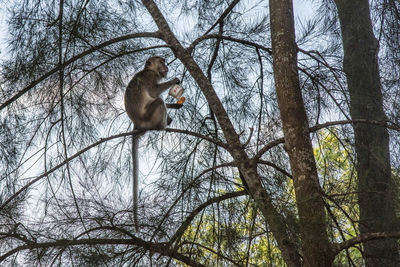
74 58
387 124
159 248
184 190
102 140
223 15
228 38
196 211
212 140
25 187
365 238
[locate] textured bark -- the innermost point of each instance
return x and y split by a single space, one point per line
316 248
371 142
246 166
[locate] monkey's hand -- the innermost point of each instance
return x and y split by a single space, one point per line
176 81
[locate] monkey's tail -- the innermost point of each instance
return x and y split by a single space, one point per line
135 162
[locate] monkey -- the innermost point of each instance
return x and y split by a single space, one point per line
146 110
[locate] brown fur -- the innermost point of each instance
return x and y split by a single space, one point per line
142 96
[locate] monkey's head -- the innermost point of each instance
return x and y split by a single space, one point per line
157 64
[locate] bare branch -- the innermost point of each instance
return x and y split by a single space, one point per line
389 125
189 219
154 247
33 181
212 140
102 140
71 60
228 38
365 238
223 15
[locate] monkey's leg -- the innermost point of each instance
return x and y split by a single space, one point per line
156 115
152 108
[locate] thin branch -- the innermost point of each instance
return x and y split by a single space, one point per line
273 165
212 140
218 254
184 190
71 60
196 211
154 247
33 181
365 238
223 15
387 124
102 140
228 38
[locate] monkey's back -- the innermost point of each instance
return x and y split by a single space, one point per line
138 93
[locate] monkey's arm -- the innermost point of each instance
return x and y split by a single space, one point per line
161 87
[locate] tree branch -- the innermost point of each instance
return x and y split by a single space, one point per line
228 38
223 15
365 238
102 140
33 181
389 125
191 216
159 248
211 140
71 60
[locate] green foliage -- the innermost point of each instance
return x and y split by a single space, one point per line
337 175
245 239
237 240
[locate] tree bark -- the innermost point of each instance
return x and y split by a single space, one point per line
376 197
316 248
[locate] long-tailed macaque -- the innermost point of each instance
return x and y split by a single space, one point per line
146 110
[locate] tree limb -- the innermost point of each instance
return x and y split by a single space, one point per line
160 248
74 58
228 38
387 124
191 216
365 238
102 140
223 15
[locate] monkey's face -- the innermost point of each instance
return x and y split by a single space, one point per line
157 64
162 68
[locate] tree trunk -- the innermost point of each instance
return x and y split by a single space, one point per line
316 248
360 64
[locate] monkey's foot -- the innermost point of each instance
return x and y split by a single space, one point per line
169 120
